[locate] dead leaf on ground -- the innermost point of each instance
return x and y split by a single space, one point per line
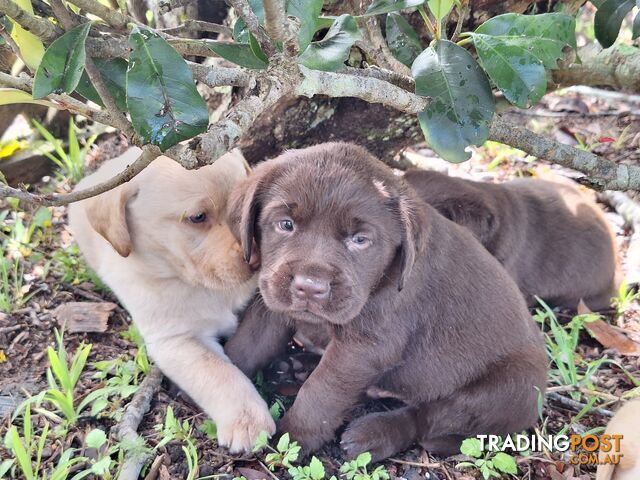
84 316
251 474
609 336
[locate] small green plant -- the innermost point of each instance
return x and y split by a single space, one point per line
357 469
626 296
13 293
313 471
209 428
285 453
71 163
141 359
20 238
173 429
490 464
73 269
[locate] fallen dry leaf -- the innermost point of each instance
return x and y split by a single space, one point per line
84 316
610 337
251 474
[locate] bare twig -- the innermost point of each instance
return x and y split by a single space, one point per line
601 174
40 27
369 89
165 6
112 16
243 9
462 15
216 76
274 19
402 81
127 429
379 49
191 25
149 153
577 406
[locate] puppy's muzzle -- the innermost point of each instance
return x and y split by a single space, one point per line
305 287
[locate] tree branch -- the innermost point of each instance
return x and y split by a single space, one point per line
191 25
274 19
243 9
377 47
112 16
370 89
601 174
149 153
41 28
216 76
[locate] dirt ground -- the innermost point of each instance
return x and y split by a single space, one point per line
610 128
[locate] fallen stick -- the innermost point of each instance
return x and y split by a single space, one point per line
577 406
127 429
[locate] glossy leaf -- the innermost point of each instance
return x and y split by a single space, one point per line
307 11
440 8
462 104
330 53
514 51
635 29
61 67
386 6
31 48
402 39
608 20
163 102
13 95
238 53
114 75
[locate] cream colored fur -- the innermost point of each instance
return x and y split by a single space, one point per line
626 422
181 281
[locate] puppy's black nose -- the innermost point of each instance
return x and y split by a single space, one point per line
310 288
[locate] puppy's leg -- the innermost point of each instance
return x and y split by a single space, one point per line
382 434
261 337
504 401
218 386
332 389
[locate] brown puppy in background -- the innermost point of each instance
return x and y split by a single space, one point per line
552 239
418 310
161 244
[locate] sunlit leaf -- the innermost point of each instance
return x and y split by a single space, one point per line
13 95
440 8
462 104
164 104
332 51
31 48
61 67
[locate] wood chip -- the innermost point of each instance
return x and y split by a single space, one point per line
84 316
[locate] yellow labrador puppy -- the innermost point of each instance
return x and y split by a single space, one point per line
161 244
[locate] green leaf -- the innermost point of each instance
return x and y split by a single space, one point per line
163 102
20 452
330 53
114 76
515 49
96 438
403 40
471 447
608 20
5 466
238 53
261 442
316 469
101 467
209 429
31 48
505 463
440 8
462 104
307 11
283 443
363 459
386 6
61 67
635 29
13 95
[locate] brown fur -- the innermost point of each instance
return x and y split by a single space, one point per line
553 240
421 311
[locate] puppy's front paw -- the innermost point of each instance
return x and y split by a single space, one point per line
302 431
240 430
374 433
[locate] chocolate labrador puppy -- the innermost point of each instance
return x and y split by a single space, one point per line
418 310
552 239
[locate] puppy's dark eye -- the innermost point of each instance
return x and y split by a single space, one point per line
358 241
199 218
285 225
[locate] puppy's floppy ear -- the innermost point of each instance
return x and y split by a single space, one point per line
471 213
242 210
107 214
413 233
